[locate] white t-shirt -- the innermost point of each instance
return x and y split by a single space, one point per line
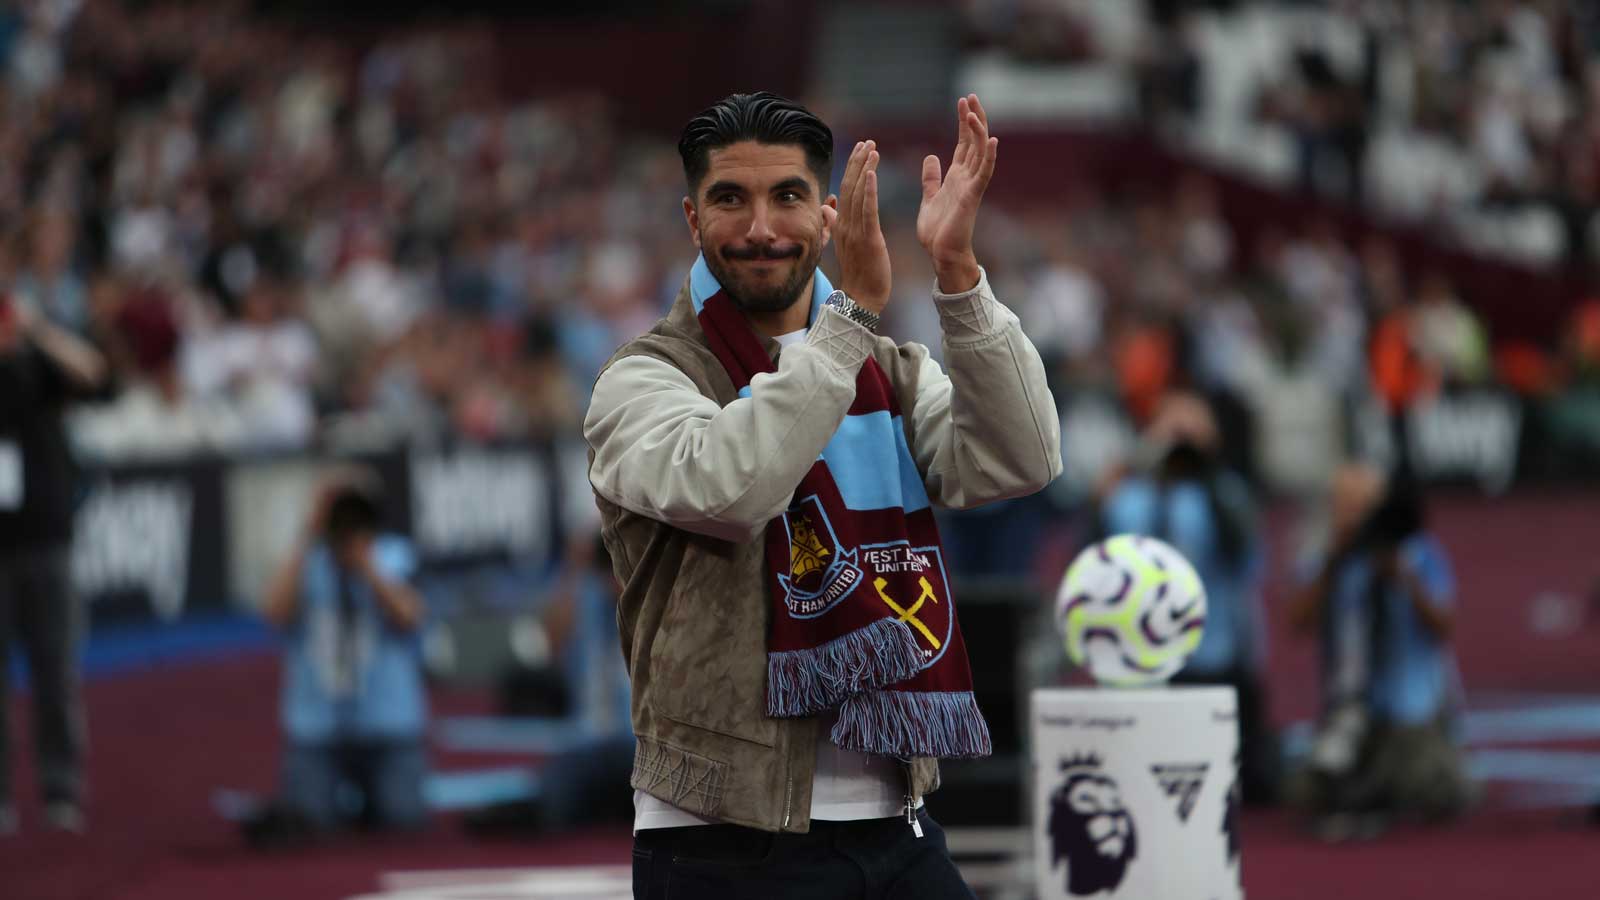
847 785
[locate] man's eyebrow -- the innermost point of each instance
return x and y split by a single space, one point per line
723 187
793 183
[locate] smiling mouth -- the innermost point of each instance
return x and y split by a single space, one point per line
762 254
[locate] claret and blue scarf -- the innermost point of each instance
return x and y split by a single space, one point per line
862 615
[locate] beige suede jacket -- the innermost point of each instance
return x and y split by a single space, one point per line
687 475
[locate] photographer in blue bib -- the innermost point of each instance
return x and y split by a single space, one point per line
1188 497
1381 598
353 707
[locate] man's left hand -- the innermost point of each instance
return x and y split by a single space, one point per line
950 203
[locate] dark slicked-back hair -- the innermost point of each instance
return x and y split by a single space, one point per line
762 117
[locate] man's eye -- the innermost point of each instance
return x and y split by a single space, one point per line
726 199
788 196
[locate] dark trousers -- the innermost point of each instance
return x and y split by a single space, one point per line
589 784
40 613
871 859
387 776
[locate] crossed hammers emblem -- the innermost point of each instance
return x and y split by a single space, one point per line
909 616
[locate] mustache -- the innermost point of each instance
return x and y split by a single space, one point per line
762 251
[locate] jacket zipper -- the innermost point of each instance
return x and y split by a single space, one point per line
911 801
788 774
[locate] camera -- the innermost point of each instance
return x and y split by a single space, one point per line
1394 520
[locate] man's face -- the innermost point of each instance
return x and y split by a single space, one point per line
757 216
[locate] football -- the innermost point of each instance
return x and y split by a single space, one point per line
1131 609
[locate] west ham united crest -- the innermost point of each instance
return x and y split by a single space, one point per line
909 582
821 572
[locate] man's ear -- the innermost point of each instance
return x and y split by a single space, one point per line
691 215
830 217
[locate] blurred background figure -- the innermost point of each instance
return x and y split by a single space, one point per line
354 711
586 782
1185 495
261 364
155 414
1382 602
42 368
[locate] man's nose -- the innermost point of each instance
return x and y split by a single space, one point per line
760 230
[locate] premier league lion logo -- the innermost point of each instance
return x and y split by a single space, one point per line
1090 829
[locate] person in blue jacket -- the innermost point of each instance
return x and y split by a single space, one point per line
1382 601
353 705
1188 498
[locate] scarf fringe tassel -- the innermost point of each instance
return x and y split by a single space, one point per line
804 682
942 724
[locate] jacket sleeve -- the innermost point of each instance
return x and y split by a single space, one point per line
989 429
664 450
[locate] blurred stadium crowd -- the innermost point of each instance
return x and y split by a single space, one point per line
282 242
1426 109
1477 122
338 247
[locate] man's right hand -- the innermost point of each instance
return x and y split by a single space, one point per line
858 236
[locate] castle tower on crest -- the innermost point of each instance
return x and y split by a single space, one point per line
806 552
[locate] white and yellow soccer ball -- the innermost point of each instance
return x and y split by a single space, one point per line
1131 609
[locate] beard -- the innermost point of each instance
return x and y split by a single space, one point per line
765 295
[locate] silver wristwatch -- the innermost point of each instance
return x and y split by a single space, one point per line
853 311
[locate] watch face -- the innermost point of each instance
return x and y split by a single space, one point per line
851 310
